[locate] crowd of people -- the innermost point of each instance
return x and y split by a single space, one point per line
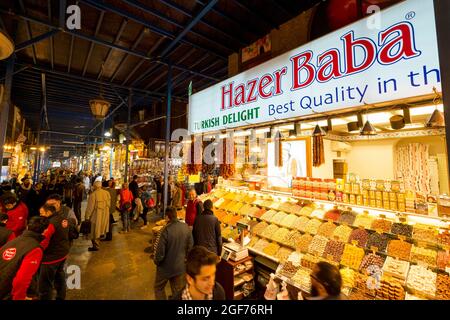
38 224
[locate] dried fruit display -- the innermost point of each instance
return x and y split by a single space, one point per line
364 221
253 241
309 261
278 217
335 249
313 226
390 289
422 280
423 255
379 241
360 236
348 277
402 229
443 260
300 223
317 246
342 233
326 229
261 244
302 279
270 231
425 233
399 249
304 242
352 256
271 249
283 254
382 225
444 238
332 214
306 211
443 287
280 234
347 217
370 261
396 268
293 239
268 216
289 221
259 228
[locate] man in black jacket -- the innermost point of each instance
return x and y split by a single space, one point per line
206 230
56 247
201 277
173 245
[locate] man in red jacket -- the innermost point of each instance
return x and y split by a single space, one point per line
6 235
17 213
194 207
20 259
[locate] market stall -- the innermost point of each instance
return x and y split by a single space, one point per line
350 168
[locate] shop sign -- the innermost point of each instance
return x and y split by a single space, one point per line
353 66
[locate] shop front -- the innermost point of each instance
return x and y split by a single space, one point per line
335 151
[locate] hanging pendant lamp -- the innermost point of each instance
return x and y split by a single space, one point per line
318 131
436 119
368 129
6 45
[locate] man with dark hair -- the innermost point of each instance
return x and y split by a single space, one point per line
20 260
206 230
201 277
173 245
55 200
78 195
17 213
326 282
6 235
56 244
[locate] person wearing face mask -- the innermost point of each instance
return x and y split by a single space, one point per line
326 283
201 277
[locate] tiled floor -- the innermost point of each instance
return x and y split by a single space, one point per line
121 270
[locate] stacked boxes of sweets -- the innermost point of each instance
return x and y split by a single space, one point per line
422 280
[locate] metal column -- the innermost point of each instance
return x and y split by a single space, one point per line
5 105
168 118
127 141
442 13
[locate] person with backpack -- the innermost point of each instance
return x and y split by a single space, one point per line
6 235
126 200
56 245
97 212
20 260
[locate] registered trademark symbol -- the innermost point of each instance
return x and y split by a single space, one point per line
410 15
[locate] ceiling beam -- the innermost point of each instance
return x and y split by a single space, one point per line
189 26
91 46
35 40
172 21
107 44
118 35
135 44
104 6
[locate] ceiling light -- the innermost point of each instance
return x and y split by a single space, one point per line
6 45
368 129
436 120
318 131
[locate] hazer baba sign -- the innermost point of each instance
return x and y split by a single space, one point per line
350 67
